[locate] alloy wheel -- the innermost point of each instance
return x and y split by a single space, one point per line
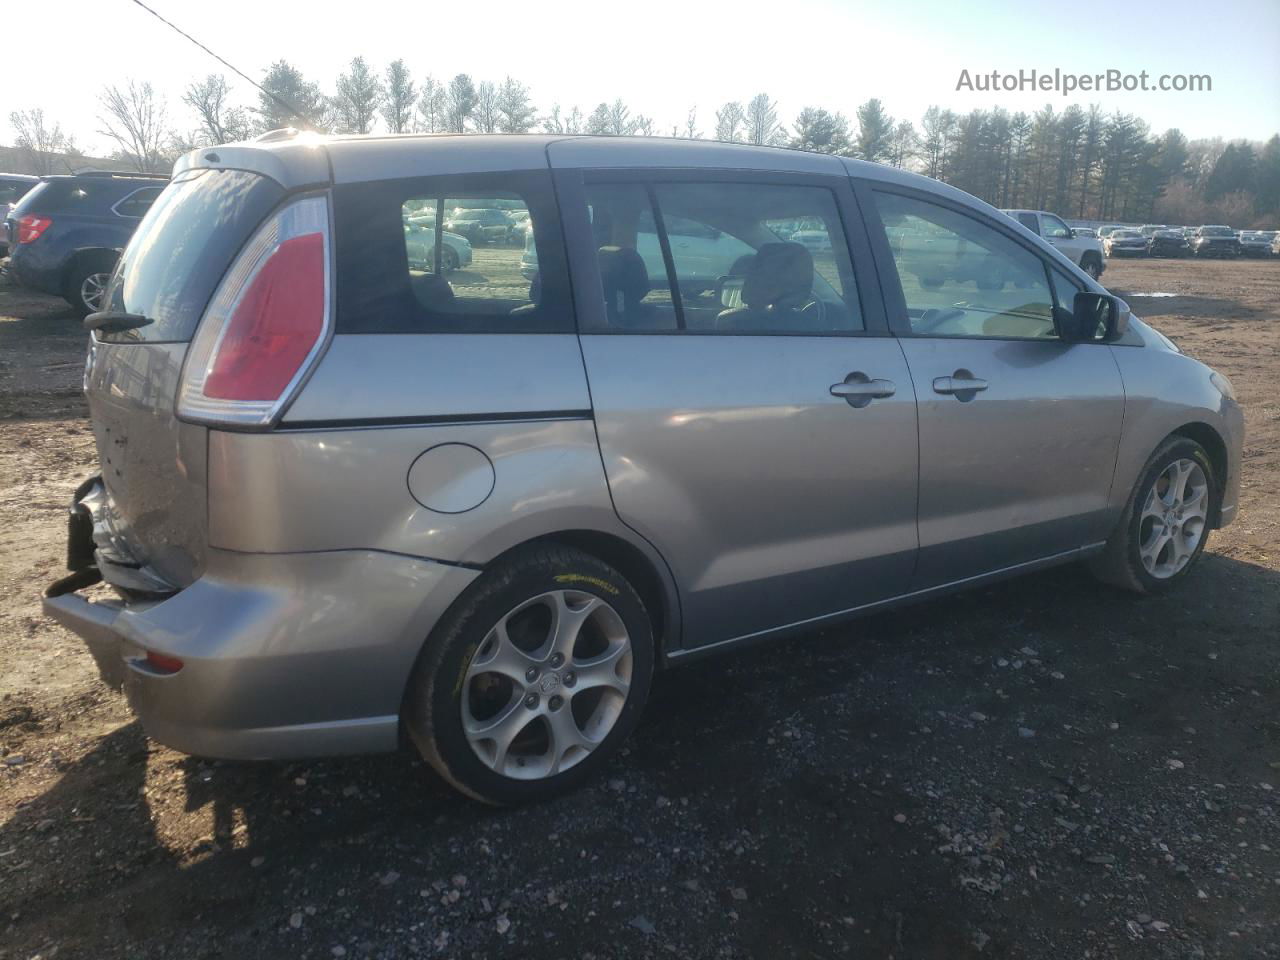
92 289
1174 518
547 684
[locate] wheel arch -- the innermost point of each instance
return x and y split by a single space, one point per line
1214 444
646 570
81 256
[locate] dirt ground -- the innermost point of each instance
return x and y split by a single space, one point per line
1042 769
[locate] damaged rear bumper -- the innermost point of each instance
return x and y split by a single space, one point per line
282 655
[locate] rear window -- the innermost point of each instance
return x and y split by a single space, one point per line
183 246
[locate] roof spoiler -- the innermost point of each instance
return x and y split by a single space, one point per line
295 159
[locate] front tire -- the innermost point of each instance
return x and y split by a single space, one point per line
1166 522
534 678
1092 268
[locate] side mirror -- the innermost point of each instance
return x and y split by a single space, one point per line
1097 316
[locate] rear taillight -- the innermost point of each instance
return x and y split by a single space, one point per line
30 227
266 324
163 663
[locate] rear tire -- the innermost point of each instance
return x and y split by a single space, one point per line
1092 267
534 678
87 281
1165 525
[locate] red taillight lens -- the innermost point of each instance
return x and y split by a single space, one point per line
265 325
30 227
163 663
275 325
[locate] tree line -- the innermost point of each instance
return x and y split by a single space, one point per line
1079 162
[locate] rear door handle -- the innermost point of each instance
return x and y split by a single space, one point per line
962 384
858 390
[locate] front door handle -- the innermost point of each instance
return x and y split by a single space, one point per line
962 384
858 390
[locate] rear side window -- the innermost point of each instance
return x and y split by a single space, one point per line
445 255
138 203
183 246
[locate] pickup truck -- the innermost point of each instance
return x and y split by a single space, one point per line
1083 250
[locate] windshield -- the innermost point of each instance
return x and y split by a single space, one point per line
1216 232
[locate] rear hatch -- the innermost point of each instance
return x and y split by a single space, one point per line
153 464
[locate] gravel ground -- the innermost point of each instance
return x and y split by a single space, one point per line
1045 768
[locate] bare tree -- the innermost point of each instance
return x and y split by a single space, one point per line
485 118
359 95
219 121
516 113
730 122
431 107
553 122
615 120
38 142
397 108
691 131
620 122
598 121
762 126
136 119
905 144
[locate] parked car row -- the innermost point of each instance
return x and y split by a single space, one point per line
1165 240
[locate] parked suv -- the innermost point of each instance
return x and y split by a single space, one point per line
66 233
1083 250
344 496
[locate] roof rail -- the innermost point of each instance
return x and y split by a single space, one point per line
132 174
284 133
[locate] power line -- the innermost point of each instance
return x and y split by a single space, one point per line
291 107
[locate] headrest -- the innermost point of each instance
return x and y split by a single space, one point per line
623 275
780 271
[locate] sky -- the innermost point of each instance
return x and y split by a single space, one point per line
664 57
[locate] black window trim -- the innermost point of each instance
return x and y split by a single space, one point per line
129 196
887 268
584 268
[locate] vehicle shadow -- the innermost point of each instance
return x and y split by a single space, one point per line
772 750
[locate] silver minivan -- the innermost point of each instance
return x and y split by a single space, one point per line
349 495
